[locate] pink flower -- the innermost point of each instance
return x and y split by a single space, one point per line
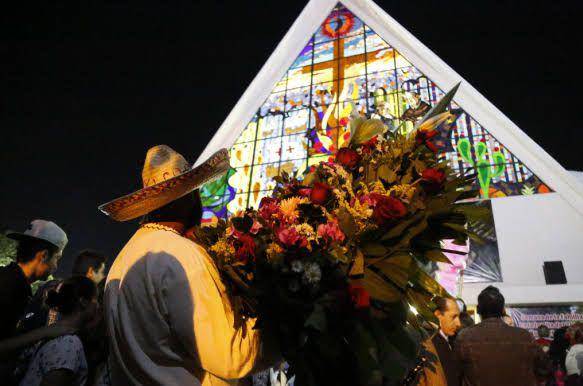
268 207
256 227
331 232
289 237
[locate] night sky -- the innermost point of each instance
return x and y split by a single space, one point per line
87 89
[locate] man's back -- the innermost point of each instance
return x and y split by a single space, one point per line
167 320
493 353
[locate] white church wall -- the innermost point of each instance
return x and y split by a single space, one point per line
530 231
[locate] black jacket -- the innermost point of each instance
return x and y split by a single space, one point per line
448 359
15 294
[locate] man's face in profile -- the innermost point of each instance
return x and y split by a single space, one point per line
449 320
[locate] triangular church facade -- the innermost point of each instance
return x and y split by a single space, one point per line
338 58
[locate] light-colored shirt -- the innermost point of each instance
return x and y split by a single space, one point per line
169 319
62 353
574 360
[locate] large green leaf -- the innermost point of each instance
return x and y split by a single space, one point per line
366 130
442 105
437 256
397 269
398 229
374 249
346 222
379 288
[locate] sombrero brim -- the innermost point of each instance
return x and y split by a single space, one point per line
156 196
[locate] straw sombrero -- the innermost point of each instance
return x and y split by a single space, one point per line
166 177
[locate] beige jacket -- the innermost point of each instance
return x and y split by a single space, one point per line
432 376
169 319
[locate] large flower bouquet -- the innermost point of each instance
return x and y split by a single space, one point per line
331 264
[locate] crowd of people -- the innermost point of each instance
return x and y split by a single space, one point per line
55 336
163 316
495 352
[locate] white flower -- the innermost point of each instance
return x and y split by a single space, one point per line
312 273
297 266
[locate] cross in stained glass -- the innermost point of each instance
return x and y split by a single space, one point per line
338 64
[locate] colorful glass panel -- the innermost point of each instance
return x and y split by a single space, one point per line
347 66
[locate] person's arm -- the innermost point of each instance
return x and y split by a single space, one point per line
10 345
200 315
59 377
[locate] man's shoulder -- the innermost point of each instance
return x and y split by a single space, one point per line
496 331
11 277
158 248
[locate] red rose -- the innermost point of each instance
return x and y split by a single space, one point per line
359 296
423 137
320 193
305 192
348 158
268 207
244 248
387 208
370 145
433 176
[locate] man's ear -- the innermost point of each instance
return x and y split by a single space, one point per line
90 273
41 256
436 313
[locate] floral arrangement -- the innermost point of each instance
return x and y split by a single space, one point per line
332 263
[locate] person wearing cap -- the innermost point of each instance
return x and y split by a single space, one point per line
169 318
39 249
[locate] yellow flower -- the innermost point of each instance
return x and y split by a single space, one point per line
289 207
404 191
223 249
305 230
274 252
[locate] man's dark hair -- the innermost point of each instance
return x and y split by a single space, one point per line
543 331
28 248
85 259
69 295
187 209
491 303
440 303
466 319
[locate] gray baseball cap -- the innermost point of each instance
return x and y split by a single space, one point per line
43 230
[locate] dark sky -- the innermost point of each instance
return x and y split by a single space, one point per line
86 89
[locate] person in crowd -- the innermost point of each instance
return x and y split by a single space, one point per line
184 331
88 263
61 361
507 318
37 255
558 348
466 320
446 370
543 337
574 357
91 264
493 353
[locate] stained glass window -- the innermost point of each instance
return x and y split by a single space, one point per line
344 67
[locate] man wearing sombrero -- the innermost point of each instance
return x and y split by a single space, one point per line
169 319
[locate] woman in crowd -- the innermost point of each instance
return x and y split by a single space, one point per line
61 360
574 359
